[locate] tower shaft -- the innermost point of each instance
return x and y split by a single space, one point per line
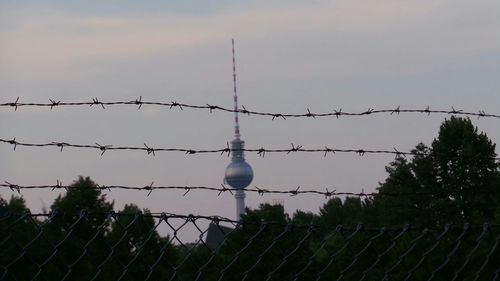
240 203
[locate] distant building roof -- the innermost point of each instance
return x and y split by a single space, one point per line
216 234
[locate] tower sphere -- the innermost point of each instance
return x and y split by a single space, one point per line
239 174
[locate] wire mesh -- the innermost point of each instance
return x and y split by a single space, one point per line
130 246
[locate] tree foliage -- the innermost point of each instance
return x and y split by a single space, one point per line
82 240
454 180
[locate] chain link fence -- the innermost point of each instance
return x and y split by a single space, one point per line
145 246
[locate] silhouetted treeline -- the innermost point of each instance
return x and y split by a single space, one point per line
419 234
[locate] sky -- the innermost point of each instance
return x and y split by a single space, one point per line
290 56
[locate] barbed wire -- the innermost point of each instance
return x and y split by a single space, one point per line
274 115
128 246
227 150
326 192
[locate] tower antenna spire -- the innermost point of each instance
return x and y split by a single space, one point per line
239 173
236 120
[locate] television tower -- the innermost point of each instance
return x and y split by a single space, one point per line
239 173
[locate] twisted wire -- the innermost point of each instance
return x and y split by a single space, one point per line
227 150
274 115
223 189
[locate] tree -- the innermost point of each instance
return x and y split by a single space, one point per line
138 247
456 179
304 218
350 212
466 170
18 230
269 245
82 239
77 231
396 202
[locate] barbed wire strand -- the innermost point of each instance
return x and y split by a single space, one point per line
274 115
227 150
223 189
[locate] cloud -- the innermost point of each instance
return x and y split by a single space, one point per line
367 37
55 39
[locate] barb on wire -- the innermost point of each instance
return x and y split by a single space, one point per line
294 148
13 142
335 113
14 104
54 103
13 187
138 102
175 104
96 101
223 189
150 150
396 110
